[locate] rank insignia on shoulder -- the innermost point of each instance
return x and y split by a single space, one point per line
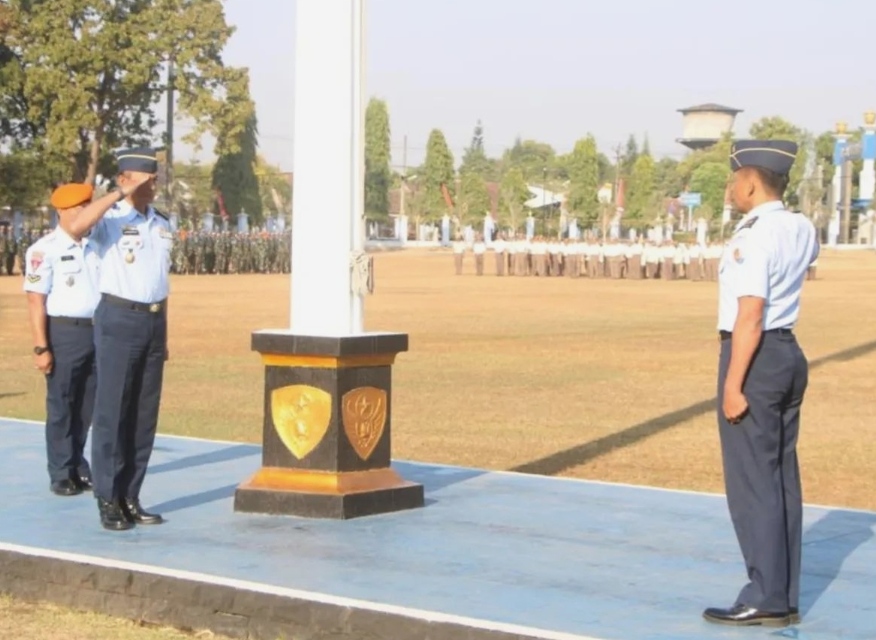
749 224
161 214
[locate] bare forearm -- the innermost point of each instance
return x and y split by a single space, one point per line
747 333
93 212
36 306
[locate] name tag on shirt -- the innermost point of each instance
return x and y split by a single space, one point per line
67 258
130 231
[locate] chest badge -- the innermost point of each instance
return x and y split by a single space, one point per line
71 281
737 256
130 257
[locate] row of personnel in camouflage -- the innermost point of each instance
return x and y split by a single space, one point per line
192 253
613 259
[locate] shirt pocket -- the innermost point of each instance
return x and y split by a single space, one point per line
130 243
69 267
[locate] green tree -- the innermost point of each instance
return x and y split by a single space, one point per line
475 159
474 199
84 76
666 179
234 174
378 154
25 181
514 194
710 180
777 128
437 170
631 154
641 186
532 158
193 189
274 187
583 168
718 153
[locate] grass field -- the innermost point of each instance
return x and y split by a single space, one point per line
608 380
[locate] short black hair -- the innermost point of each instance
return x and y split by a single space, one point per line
775 183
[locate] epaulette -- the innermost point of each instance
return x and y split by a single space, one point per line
161 214
749 224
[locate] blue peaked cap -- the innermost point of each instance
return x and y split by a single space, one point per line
777 156
140 159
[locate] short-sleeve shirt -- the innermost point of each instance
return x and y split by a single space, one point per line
66 272
135 251
767 257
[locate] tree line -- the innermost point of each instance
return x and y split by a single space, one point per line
650 183
81 78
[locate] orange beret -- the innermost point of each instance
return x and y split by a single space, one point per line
71 195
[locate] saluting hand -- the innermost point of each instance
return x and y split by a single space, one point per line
44 362
735 405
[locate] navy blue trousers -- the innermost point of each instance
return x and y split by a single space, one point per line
131 348
761 472
70 389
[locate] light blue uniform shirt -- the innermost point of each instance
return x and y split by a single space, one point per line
768 257
66 272
135 252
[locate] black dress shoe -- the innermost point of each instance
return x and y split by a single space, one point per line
135 512
85 483
744 616
66 487
112 517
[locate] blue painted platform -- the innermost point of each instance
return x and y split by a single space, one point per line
535 556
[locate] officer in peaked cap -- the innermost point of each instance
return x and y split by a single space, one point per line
134 242
762 379
61 281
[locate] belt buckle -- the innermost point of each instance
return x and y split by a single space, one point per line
154 307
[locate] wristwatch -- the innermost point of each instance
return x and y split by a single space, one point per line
38 351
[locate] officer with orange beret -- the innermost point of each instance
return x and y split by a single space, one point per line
61 282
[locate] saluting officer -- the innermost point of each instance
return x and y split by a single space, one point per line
134 242
61 280
762 378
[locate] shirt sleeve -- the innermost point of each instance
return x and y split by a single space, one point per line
751 259
98 235
37 271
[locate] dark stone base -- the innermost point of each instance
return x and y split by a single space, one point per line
334 506
190 604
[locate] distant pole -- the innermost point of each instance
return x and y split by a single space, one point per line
168 183
404 179
847 201
544 197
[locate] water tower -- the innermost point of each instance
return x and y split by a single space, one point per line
706 124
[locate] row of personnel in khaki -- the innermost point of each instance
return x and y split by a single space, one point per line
594 266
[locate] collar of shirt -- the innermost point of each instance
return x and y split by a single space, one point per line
128 212
68 241
759 210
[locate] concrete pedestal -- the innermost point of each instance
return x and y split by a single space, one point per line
327 428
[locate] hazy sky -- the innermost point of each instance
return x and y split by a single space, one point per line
554 70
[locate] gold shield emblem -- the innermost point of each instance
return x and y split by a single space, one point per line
301 416
364 415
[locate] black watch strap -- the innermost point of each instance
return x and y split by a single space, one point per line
40 350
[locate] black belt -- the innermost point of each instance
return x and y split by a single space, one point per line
79 322
145 307
726 335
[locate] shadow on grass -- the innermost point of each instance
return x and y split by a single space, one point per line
561 461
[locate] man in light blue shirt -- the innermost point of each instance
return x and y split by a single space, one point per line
762 378
134 242
61 281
